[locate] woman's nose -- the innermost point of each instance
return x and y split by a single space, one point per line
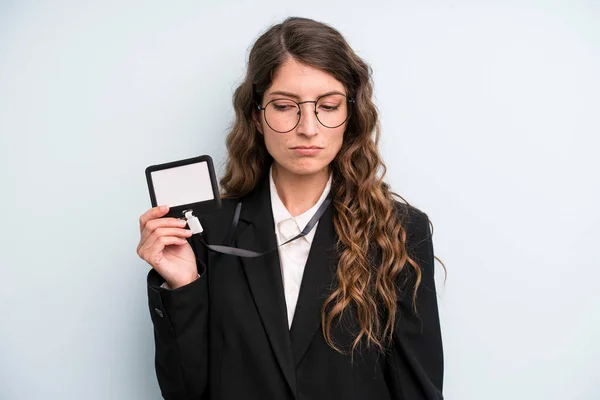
308 125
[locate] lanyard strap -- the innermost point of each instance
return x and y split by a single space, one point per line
234 251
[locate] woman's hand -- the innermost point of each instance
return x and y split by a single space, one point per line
163 245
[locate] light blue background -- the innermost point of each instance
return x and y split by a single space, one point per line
491 118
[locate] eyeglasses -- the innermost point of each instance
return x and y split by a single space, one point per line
283 115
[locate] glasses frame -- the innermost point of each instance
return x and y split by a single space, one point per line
349 100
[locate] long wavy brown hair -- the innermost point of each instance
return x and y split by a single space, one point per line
364 206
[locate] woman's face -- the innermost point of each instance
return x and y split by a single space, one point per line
309 147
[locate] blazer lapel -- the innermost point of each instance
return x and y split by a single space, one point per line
264 275
316 285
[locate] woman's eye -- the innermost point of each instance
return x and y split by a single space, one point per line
328 108
283 107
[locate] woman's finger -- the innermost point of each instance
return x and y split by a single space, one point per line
161 224
161 232
153 213
154 254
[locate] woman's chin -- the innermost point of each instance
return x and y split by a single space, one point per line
306 168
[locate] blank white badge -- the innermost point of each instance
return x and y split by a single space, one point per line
182 185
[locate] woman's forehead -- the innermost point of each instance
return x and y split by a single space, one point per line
302 81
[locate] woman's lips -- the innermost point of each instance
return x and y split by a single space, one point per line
307 151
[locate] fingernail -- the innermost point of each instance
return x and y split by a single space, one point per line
164 208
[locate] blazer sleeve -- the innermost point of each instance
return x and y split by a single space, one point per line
180 319
416 364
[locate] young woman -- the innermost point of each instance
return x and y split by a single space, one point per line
349 310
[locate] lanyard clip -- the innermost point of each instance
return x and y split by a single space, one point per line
193 222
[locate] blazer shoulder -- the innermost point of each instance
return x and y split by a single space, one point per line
410 216
415 223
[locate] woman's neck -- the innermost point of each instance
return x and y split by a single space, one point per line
299 193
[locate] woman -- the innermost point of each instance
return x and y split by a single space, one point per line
348 311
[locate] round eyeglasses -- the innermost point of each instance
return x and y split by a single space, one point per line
283 115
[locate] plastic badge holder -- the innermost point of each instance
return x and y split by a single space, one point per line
184 185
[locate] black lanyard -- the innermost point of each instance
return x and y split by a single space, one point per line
234 251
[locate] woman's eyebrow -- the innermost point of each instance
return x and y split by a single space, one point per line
295 96
283 93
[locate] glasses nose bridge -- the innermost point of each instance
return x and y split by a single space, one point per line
304 102
307 101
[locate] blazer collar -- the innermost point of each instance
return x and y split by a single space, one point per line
264 275
317 281
266 284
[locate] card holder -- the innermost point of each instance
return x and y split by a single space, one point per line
183 185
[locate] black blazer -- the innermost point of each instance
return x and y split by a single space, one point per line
226 336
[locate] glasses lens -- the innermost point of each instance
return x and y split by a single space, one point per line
332 110
282 115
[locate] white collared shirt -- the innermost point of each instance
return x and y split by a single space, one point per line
293 255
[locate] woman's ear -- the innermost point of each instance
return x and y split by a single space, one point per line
256 120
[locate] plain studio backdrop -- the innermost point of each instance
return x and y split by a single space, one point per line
491 122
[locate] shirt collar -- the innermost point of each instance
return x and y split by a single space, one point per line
280 213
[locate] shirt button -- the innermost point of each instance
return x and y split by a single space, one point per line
159 312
